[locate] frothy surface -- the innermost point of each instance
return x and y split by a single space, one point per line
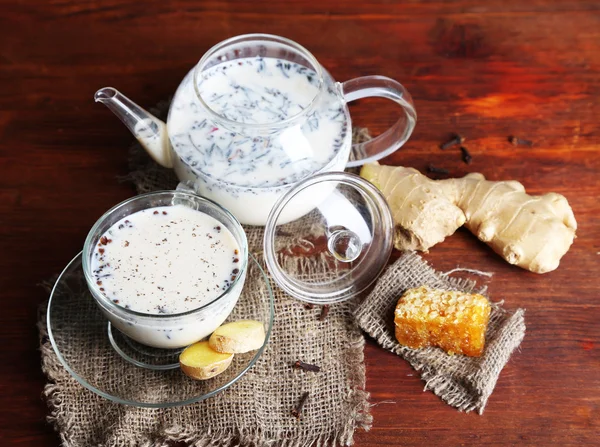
165 260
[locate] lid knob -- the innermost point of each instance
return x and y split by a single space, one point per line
345 245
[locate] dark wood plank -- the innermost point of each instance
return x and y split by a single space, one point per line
484 69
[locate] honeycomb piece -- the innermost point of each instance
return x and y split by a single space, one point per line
453 321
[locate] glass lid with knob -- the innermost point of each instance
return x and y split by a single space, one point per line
341 233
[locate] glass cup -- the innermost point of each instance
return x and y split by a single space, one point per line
167 330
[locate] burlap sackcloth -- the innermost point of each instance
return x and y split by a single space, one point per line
463 382
255 411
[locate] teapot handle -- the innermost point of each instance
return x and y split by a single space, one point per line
393 138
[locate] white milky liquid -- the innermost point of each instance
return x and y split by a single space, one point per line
168 260
244 170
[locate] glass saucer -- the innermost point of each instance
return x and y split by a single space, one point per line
110 364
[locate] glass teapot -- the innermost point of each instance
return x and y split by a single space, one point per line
254 117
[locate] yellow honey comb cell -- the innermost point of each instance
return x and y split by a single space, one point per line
453 321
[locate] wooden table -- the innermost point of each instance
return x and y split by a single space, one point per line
484 69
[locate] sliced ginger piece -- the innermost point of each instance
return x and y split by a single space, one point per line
238 337
199 361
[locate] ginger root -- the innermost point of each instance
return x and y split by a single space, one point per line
423 214
532 232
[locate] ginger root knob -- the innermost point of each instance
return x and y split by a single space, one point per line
533 232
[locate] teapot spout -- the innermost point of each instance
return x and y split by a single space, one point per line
149 130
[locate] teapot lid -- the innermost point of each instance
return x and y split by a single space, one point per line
328 238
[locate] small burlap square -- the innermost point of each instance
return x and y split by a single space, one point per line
255 411
463 382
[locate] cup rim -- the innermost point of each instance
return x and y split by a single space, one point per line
115 308
271 38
